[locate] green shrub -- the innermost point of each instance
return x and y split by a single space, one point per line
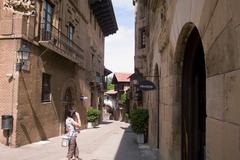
139 120
126 115
93 114
123 98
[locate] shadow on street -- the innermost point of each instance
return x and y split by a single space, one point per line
128 148
106 122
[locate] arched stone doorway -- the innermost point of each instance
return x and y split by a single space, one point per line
193 130
68 99
69 96
68 103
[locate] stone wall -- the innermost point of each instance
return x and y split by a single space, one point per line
218 24
38 120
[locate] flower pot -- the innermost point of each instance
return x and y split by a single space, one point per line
90 125
140 138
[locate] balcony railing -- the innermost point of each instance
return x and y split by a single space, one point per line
57 41
95 77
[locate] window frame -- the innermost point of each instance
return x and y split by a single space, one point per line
142 12
70 33
47 18
142 38
46 90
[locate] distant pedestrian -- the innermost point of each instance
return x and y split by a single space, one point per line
71 126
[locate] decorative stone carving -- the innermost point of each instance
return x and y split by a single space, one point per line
163 10
154 4
158 16
163 38
26 7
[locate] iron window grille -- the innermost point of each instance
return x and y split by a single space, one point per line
46 87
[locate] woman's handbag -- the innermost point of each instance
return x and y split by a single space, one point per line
65 140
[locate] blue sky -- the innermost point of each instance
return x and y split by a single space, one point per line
119 48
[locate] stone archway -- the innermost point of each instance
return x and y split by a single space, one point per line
193 94
68 103
69 99
190 118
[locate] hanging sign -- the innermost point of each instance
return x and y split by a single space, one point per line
147 85
83 98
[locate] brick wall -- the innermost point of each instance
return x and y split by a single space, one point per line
21 96
8 84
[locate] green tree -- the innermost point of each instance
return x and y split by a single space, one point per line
124 98
110 86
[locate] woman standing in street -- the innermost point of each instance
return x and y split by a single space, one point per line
71 126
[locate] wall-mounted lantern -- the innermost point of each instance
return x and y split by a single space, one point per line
23 54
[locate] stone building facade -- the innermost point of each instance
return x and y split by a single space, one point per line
121 82
191 50
65 65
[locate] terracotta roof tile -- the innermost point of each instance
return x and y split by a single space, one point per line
123 77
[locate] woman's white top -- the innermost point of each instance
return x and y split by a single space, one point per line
70 127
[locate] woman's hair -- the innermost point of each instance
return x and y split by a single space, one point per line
71 112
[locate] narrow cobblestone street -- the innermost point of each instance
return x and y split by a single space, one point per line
111 140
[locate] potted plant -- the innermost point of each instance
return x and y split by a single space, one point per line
139 123
92 117
126 117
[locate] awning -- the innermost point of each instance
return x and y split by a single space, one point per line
107 72
111 92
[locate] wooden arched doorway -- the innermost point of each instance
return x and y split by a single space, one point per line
68 98
68 103
193 99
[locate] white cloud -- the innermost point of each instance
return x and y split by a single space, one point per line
119 53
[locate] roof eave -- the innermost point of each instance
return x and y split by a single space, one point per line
104 13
